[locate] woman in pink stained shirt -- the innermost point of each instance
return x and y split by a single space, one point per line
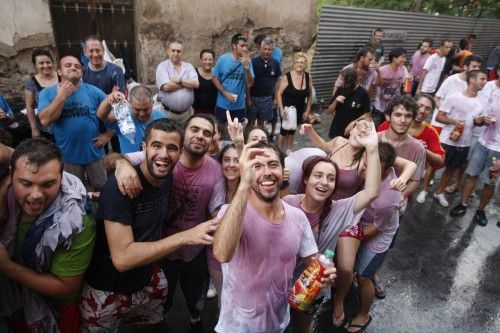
349 155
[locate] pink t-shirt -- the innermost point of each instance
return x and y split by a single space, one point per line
196 194
391 85
341 217
366 77
490 96
462 108
417 63
258 277
383 213
412 150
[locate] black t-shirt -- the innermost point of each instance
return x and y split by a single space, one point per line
206 95
265 76
355 104
145 214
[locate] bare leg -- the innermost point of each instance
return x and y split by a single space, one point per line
347 247
470 183
302 322
445 179
290 141
486 195
429 174
281 141
366 294
458 180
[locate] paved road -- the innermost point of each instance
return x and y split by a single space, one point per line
443 274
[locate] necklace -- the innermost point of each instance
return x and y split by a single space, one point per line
390 142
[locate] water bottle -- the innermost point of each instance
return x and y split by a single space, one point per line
121 110
306 288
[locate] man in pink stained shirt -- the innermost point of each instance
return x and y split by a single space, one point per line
258 241
418 61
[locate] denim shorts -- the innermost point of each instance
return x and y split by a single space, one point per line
368 262
480 163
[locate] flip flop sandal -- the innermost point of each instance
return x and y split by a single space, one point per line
380 292
361 327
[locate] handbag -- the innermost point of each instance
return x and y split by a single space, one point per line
290 123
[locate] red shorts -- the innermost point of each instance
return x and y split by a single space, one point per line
355 231
69 320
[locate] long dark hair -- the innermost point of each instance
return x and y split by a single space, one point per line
350 80
307 168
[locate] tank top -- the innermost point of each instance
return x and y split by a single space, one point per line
295 97
206 94
348 184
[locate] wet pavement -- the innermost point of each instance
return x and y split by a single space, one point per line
443 274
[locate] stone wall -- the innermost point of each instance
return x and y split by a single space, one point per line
25 25
203 24
198 23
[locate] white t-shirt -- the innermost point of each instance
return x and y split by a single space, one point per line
434 66
294 161
451 86
490 96
258 277
462 108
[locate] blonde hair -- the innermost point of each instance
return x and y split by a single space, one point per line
299 55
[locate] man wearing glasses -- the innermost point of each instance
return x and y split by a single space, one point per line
233 73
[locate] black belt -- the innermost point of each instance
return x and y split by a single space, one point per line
173 111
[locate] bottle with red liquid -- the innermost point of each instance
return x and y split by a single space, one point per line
456 134
307 286
493 171
407 85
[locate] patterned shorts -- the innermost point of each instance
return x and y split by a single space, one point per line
354 231
102 311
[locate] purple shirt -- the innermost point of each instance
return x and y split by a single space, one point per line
196 194
417 63
259 276
383 213
391 85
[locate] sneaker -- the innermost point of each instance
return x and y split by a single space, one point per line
480 218
458 210
211 293
442 200
196 327
421 197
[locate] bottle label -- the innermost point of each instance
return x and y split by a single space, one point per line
307 286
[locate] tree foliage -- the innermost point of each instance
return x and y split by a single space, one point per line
463 8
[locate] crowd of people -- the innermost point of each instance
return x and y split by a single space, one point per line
98 225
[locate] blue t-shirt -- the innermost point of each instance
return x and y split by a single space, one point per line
265 76
6 108
140 129
106 78
278 55
78 124
231 75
